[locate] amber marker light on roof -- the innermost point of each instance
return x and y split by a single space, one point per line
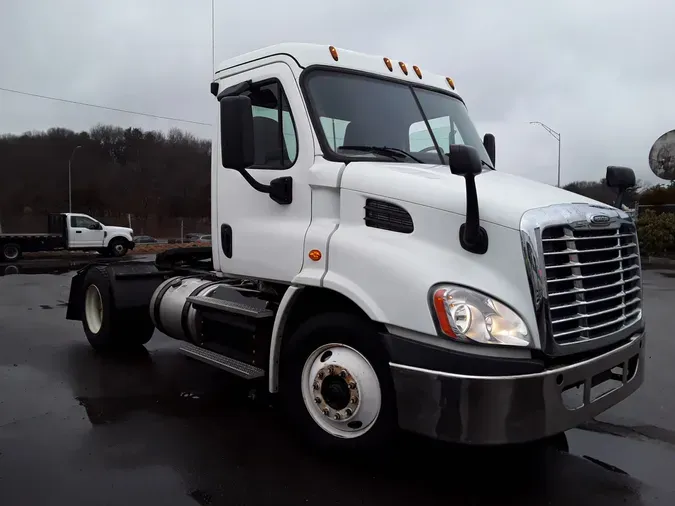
417 71
451 83
387 62
403 67
333 52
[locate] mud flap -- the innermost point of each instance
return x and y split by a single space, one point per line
132 285
75 298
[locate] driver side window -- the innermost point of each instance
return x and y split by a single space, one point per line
275 140
444 130
81 222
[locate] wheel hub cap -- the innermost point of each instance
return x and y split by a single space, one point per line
337 393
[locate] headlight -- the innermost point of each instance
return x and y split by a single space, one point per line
466 315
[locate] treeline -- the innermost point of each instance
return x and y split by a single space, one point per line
153 176
643 194
115 172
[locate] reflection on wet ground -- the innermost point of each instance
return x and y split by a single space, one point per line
155 427
60 265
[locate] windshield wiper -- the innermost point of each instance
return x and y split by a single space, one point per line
383 150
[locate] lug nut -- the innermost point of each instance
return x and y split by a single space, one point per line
352 385
337 416
317 400
330 369
343 374
316 385
354 400
325 411
349 412
320 375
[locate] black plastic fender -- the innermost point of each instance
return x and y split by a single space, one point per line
132 285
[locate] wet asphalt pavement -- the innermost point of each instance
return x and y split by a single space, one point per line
158 428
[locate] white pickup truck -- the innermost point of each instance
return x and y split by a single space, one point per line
69 231
371 266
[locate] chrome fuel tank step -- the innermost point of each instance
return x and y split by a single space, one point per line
180 304
230 307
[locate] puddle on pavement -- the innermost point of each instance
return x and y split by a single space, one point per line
648 460
40 268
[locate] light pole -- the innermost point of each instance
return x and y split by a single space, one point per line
556 136
70 192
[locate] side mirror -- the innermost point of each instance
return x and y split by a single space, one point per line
95 226
621 178
465 161
237 147
489 143
236 132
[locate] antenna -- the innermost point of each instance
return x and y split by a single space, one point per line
213 39
662 156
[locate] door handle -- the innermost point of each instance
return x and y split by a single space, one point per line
78 231
226 239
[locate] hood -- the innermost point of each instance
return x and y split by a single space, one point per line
119 230
502 198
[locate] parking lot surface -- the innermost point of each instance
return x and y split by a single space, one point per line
157 428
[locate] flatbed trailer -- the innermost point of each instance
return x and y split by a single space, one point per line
68 231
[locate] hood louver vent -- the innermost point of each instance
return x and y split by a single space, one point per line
387 216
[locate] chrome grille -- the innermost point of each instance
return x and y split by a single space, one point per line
592 279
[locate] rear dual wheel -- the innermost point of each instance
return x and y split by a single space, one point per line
118 247
335 383
108 328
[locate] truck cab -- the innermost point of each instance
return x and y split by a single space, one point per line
84 232
371 266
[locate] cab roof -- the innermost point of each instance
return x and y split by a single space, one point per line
306 55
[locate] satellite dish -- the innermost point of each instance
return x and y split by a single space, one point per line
662 156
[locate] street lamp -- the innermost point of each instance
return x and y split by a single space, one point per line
70 192
556 136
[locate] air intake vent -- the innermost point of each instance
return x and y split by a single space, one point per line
387 216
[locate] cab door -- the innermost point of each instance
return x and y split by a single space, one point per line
84 232
255 235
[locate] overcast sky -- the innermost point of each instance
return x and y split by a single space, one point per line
600 72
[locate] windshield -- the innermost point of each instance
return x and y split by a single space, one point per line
359 115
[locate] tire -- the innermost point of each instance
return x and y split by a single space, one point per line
106 327
118 247
11 252
316 386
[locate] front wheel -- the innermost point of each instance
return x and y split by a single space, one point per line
11 252
336 385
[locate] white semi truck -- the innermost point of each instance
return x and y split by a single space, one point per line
371 267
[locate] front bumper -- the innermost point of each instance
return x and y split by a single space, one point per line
475 409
